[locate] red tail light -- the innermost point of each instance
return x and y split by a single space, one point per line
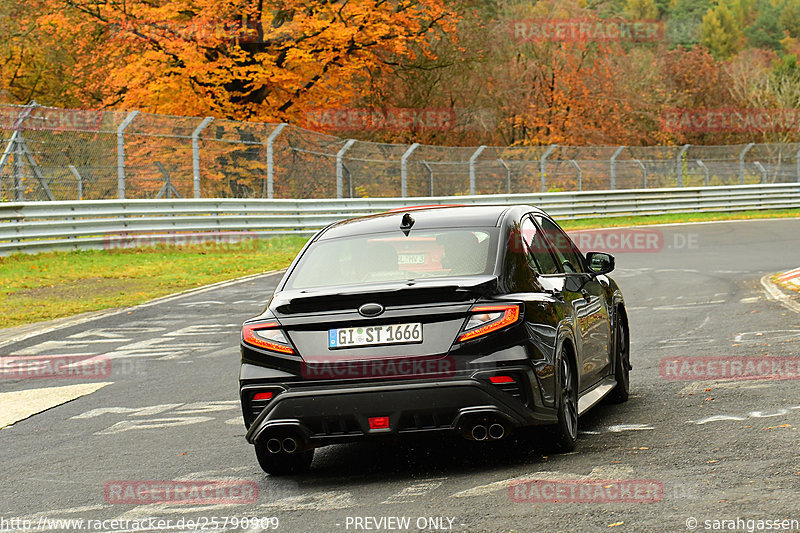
266 336
486 319
501 379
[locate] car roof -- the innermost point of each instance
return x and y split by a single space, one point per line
425 217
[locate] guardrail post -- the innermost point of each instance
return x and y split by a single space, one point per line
80 181
508 175
543 166
430 173
741 162
270 159
614 167
121 154
679 164
705 170
644 173
340 167
196 154
580 173
763 170
404 169
472 159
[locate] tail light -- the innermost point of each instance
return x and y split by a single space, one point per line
267 336
487 319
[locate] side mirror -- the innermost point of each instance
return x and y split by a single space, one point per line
600 262
575 282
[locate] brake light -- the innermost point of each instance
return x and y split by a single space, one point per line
489 318
501 379
266 336
263 396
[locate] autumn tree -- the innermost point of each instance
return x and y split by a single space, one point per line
238 59
721 31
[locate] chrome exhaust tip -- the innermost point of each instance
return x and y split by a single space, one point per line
274 446
497 431
479 432
289 445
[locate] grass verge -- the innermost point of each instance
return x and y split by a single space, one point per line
58 284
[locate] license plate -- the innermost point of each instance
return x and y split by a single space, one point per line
372 335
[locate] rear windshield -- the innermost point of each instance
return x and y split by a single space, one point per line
394 257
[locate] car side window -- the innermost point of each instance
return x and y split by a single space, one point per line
537 250
566 253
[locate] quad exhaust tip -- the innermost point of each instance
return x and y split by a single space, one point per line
497 431
289 445
479 432
274 446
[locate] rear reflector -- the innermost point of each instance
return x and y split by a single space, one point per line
263 396
501 379
379 422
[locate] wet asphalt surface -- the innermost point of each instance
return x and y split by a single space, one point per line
714 450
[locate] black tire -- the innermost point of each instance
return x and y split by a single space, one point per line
282 464
622 364
564 434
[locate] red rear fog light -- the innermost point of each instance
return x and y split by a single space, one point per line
263 396
379 422
501 379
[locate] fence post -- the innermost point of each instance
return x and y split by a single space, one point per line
430 173
580 173
705 170
472 159
80 181
121 154
679 164
543 165
340 167
404 169
614 167
19 193
763 170
741 162
196 154
270 159
796 158
8 153
644 173
508 175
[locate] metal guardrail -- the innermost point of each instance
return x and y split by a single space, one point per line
47 226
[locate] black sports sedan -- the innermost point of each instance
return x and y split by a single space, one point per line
474 320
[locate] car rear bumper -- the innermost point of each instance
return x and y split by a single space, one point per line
333 413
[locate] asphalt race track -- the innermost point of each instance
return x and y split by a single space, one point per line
168 411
